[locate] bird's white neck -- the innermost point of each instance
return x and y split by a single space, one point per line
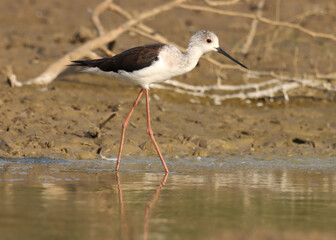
191 56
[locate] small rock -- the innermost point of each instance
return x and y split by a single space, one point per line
50 144
269 144
94 133
245 133
4 146
203 143
114 108
302 141
76 107
143 146
275 122
65 150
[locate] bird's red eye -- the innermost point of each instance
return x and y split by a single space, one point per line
208 40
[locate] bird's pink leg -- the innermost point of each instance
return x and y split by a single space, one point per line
150 132
123 128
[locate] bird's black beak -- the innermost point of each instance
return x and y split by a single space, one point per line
227 55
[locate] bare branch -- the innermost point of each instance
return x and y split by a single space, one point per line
56 68
260 18
253 28
221 3
95 16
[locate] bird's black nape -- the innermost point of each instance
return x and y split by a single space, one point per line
228 56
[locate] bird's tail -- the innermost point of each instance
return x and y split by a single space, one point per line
80 63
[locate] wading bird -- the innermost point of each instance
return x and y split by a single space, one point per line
149 64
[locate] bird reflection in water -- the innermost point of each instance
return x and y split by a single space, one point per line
149 206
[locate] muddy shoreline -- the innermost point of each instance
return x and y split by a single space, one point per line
63 120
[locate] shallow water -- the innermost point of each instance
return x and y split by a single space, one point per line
202 199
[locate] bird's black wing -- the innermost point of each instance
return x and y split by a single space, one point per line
129 60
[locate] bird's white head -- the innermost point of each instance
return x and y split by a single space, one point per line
207 41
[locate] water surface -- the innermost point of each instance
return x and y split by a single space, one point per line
203 199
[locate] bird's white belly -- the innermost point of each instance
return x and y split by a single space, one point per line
153 74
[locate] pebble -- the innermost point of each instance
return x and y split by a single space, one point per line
50 144
203 143
4 146
94 133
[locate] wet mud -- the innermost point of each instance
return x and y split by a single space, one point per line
65 121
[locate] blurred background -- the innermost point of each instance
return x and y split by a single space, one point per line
288 41
254 150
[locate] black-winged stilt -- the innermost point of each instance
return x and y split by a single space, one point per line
152 64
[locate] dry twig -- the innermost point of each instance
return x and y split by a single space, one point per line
253 28
261 19
221 3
